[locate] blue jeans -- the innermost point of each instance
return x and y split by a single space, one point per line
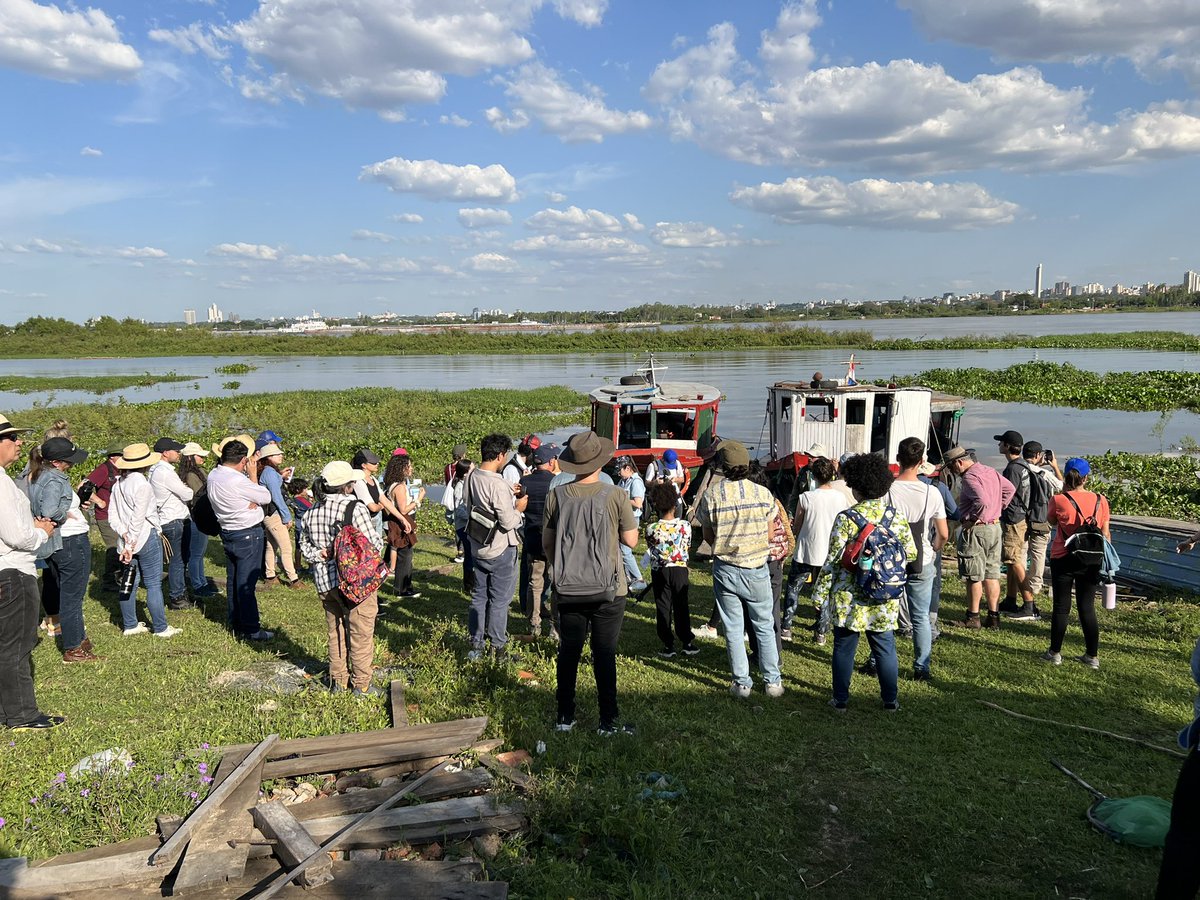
733 585
883 649
149 562
919 591
176 571
66 578
632 571
243 568
495 579
195 543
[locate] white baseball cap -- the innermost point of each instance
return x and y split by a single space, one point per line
337 473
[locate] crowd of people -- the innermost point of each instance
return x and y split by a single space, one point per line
549 527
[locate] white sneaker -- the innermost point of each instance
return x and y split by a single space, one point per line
775 689
707 633
169 631
139 628
474 655
740 691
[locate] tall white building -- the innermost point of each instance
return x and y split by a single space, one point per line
189 317
215 316
1191 281
1037 283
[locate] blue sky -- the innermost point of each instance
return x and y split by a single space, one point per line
426 155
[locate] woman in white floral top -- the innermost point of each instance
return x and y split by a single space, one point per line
837 594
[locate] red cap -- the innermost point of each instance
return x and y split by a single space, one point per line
532 441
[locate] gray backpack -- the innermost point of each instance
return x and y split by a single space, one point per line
585 561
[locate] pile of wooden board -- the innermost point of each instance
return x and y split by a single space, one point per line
235 844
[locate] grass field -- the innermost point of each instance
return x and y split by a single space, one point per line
947 798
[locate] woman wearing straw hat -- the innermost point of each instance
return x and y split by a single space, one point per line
195 541
20 537
70 564
134 516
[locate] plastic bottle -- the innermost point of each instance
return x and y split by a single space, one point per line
1110 595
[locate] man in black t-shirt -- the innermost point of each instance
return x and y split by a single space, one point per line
535 588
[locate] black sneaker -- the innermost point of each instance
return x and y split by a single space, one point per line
410 594
1027 612
869 667
616 728
892 707
1009 605
690 649
922 675
666 653
370 691
41 723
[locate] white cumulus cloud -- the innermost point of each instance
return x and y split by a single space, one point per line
875 203
484 217
443 181
574 221
141 253
456 120
66 45
685 235
903 116
602 247
363 234
91 151
539 92
491 262
407 218
242 250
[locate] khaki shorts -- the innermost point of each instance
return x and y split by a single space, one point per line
1012 550
979 553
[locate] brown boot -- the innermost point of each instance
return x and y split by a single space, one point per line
971 621
79 655
296 584
993 620
86 645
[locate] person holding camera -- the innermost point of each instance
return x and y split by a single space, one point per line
1049 481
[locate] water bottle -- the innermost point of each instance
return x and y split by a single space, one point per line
865 562
1110 595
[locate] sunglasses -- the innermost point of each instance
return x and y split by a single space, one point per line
15 438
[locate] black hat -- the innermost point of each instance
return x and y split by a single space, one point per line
1031 449
364 456
162 445
545 453
1010 437
61 449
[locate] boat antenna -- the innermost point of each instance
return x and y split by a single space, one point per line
650 368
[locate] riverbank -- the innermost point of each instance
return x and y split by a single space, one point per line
134 340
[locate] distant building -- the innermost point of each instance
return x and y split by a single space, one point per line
189 317
1191 281
1037 282
1062 288
215 316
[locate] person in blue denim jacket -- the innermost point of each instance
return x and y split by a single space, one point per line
1179 875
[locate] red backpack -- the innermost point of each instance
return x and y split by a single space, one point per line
359 567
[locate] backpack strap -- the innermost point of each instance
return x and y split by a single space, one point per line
1083 518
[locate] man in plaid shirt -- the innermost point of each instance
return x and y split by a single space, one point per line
351 628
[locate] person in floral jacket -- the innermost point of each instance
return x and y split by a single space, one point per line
837 594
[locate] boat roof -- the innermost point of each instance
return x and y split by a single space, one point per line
937 400
684 392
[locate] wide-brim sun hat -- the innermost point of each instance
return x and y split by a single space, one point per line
247 442
191 448
338 473
586 452
7 427
926 468
137 456
269 450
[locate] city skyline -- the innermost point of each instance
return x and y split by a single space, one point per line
266 157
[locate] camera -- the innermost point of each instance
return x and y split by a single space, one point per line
85 491
1048 455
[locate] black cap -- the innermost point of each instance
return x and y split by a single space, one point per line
364 456
1031 449
545 453
162 445
61 449
1010 437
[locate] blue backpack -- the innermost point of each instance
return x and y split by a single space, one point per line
877 559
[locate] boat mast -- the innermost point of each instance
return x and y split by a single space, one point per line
650 369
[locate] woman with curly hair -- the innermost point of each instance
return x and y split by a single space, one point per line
837 593
401 531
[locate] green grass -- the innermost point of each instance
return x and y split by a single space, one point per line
94 384
945 799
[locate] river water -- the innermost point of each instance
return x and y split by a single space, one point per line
742 375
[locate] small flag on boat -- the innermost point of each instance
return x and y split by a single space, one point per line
851 379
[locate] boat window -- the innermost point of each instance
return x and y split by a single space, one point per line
785 408
636 424
818 409
880 424
708 417
674 424
602 419
856 412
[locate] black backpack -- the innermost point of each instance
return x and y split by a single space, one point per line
1086 545
1039 499
203 514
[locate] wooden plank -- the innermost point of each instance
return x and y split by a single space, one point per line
419 879
450 784
209 858
252 763
444 832
455 809
420 765
519 779
399 710
330 742
293 843
353 757
340 837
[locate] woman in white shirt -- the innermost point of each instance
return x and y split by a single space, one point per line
815 511
133 515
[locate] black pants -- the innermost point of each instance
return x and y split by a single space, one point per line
671 596
19 603
1179 876
404 556
574 622
1065 575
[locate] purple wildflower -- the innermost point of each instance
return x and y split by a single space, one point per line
207 779
33 801
202 768
3 822
85 792
60 778
204 746
193 795
157 779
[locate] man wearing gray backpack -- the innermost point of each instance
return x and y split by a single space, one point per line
584 525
